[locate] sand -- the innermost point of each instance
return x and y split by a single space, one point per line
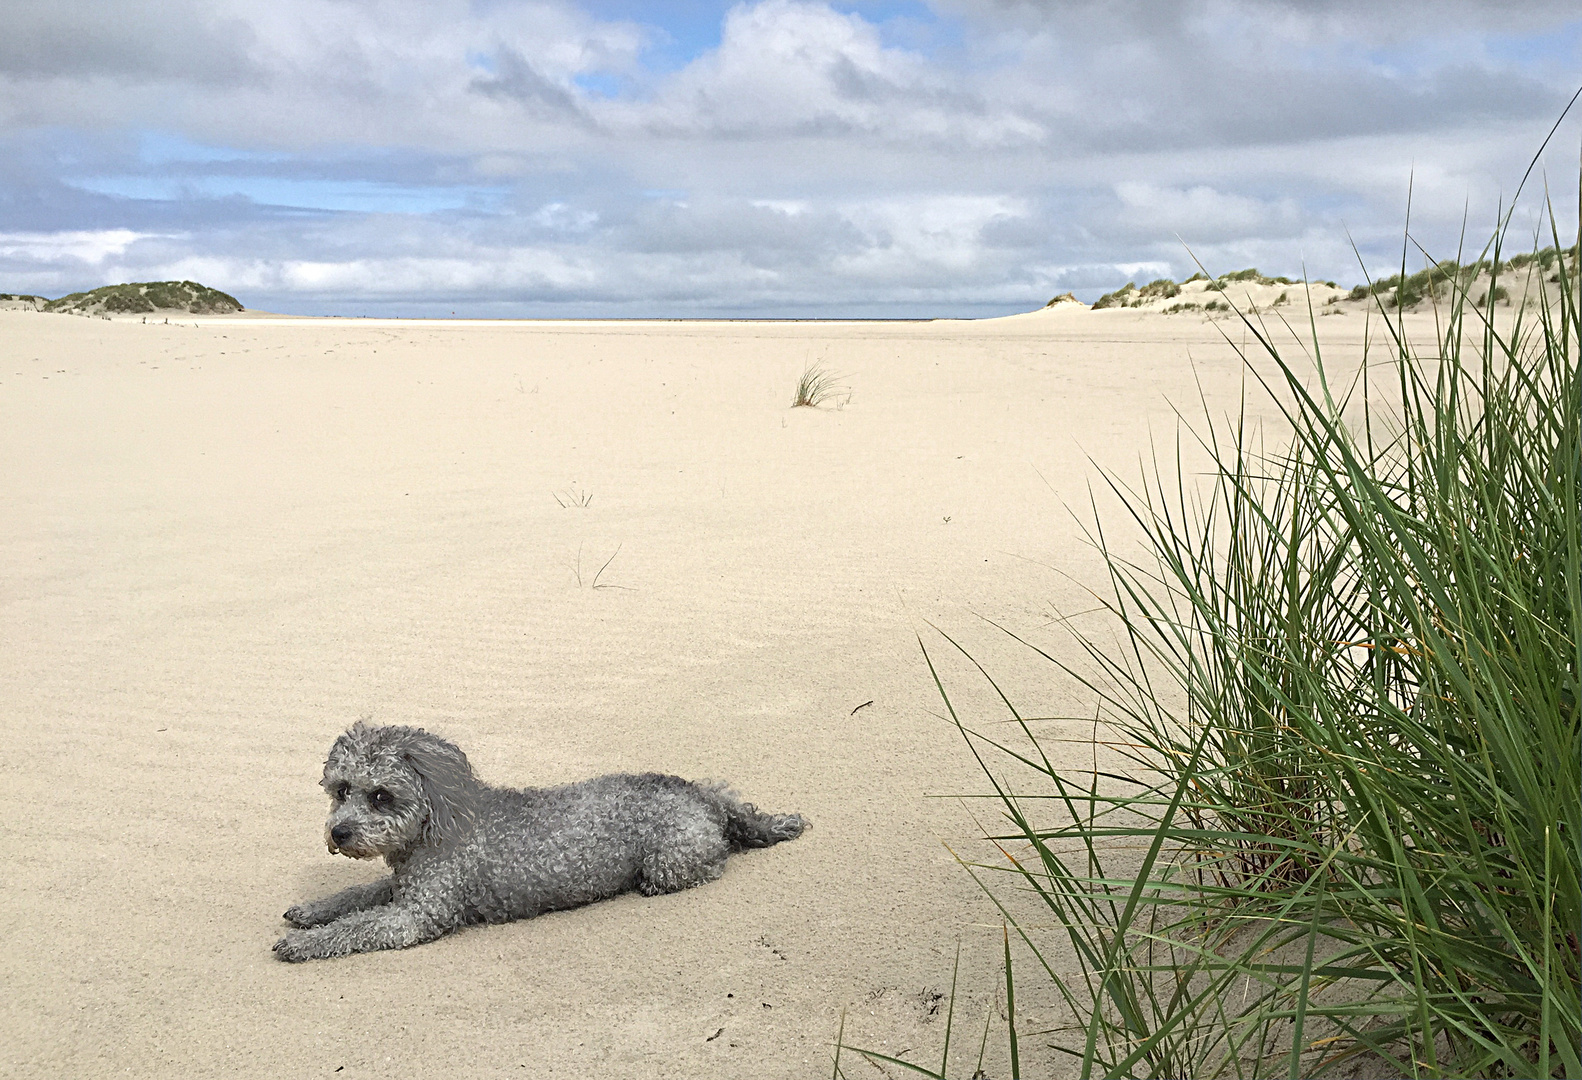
226 539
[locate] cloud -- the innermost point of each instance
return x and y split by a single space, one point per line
535 156
760 233
803 69
106 41
82 246
53 263
1152 210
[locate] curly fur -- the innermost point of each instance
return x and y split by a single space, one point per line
463 852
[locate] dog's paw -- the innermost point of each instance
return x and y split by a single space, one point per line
296 947
304 916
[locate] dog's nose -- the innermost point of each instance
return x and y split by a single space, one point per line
340 834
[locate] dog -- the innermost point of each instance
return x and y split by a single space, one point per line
464 852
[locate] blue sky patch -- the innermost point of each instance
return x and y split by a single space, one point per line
354 196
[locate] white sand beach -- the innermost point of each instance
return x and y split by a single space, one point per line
573 548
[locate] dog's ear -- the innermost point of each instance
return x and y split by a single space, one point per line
448 785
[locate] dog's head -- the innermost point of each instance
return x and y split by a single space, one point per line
395 789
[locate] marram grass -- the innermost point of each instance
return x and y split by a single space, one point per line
814 387
1349 822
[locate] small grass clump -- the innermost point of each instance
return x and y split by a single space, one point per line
594 582
1344 816
573 497
815 387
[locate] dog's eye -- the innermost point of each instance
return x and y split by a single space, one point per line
380 797
340 792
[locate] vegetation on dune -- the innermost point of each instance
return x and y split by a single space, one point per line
1129 295
1117 298
1440 280
146 297
1252 275
1335 811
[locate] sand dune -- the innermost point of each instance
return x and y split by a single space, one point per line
226 540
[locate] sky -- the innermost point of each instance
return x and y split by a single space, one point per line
769 158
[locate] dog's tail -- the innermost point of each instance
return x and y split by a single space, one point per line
745 827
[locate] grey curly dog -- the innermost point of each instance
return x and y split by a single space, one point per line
464 852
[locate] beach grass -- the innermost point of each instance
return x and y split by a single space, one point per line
815 387
573 496
1334 819
1117 298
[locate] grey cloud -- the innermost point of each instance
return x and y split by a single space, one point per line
760 233
105 41
1377 21
1134 76
517 80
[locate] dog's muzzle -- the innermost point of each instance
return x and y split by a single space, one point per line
338 837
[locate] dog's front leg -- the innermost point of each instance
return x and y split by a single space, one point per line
393 926
356 898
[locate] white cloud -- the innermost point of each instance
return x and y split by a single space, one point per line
370 149
89 246
785 67
559 217
913 239
1204 211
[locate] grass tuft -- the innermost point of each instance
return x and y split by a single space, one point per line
815 387
573 497
1346 819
